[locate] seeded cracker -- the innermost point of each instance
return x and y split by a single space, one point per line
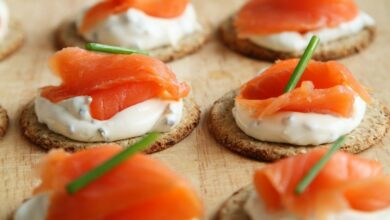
333 50
222 126
39 134
66 36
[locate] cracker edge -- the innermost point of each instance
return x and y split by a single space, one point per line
66 36
32 130
274 151
336 49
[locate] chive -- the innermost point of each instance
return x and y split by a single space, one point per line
313 172
110 164
113 49
300 68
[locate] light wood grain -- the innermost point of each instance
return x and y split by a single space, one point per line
213 170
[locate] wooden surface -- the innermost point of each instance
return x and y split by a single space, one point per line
213 71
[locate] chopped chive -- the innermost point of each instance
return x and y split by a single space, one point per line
313 172
110 164
300 68
113 49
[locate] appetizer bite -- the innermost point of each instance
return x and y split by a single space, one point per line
289 109
281 29
3 121
11 33
168 29
346 187
109 98
73 186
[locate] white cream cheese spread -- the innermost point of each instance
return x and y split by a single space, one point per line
4 19
72 118
297 42
135 29
255 208
33 209
299 128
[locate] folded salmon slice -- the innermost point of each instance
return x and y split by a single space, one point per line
325 88
114 82
369 195
140 188
262 17
346 182
157 8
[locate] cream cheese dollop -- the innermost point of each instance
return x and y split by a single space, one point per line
256 210
72 118
135 29
299 128
34 208
297 42
4 19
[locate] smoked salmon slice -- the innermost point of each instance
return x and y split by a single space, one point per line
139 188
157 8
114 82
324 88
262 17
346 182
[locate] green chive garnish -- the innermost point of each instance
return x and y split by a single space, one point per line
313 172
110 164
297 74
113 49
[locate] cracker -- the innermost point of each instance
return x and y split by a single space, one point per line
39 134
222 126
329 51
13 40
66 36
4 121
233 207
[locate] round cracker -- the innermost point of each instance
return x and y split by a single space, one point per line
328 51
233 207
223 127
40 134
4 121
13 40
66 36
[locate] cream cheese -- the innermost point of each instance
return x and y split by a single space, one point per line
33 209
297 42
72 118
256 210
299 128
136 29
4 19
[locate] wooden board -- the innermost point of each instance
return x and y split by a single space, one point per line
213 170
